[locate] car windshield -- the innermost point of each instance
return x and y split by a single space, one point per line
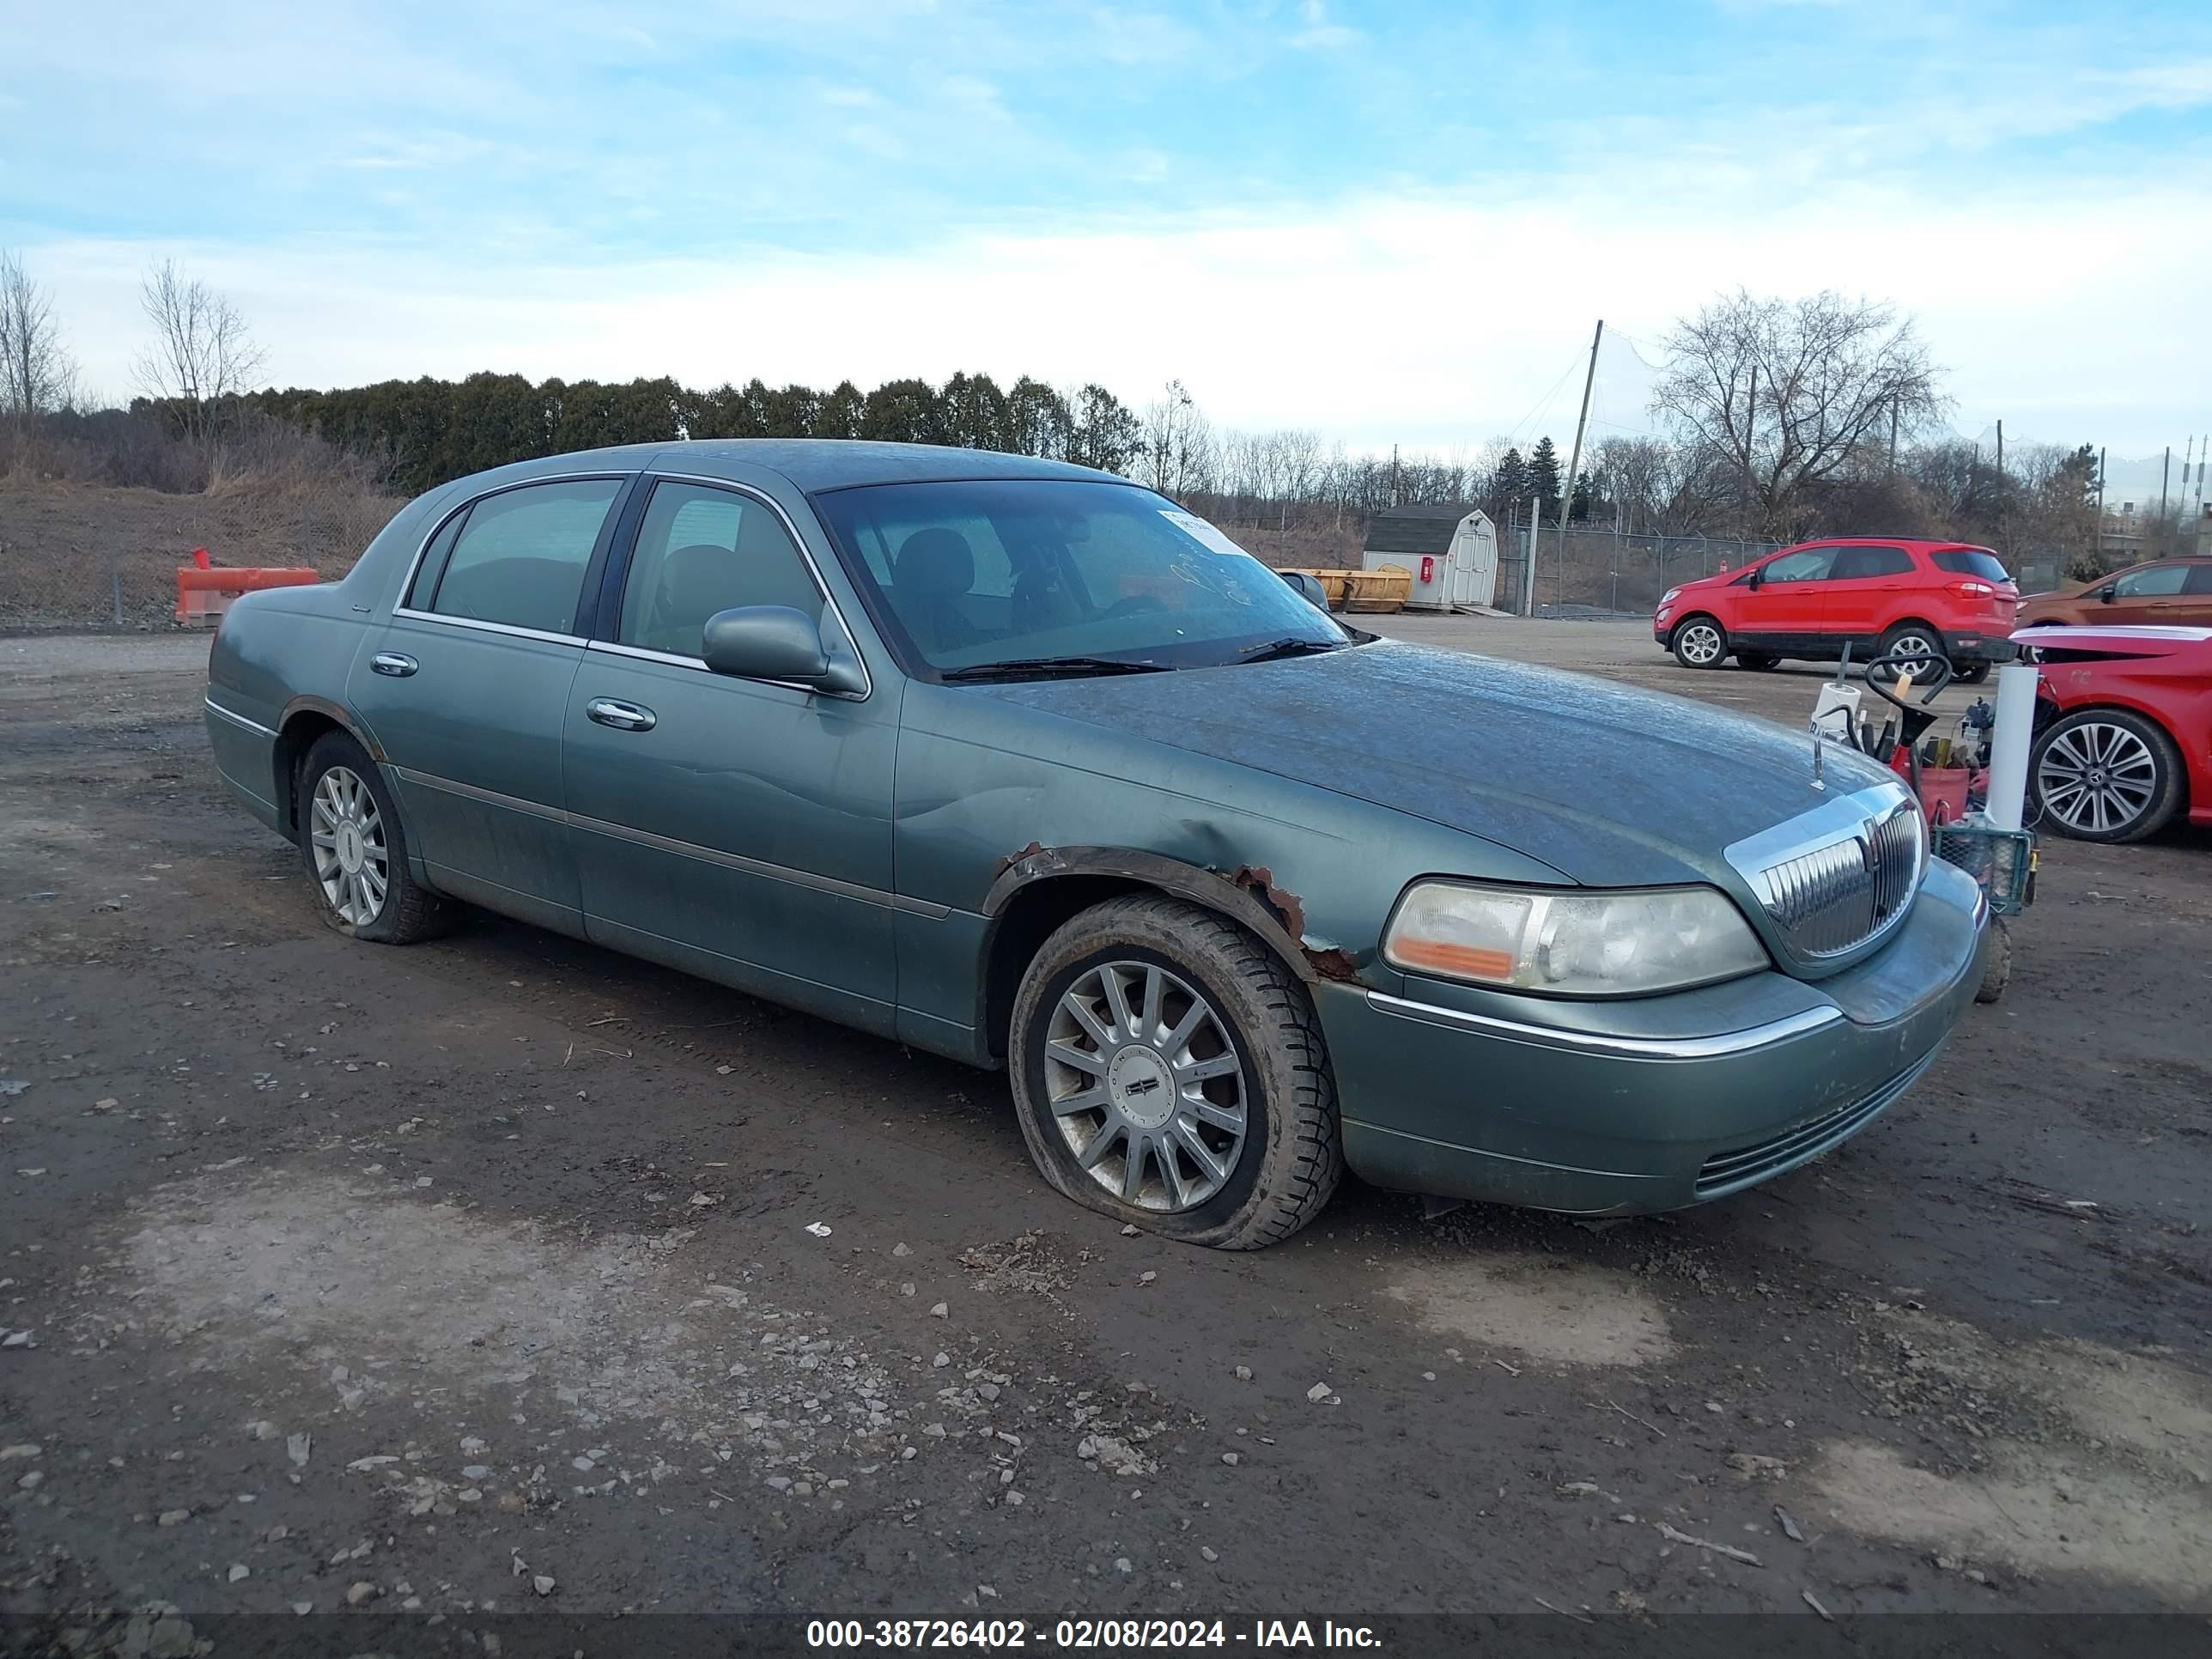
1973 561
1038 571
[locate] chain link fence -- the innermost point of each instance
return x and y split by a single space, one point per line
1602 573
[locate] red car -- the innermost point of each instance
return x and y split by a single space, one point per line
2122 729
1878 594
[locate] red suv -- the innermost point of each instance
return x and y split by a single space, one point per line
1878 594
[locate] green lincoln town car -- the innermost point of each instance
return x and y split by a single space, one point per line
1023 763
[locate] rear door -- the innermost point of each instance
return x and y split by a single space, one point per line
465 686
2196 608
1783 610
1865 592
738 829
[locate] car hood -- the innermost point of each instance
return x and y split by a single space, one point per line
1608 785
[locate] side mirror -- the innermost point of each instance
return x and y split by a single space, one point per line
775 642
1307 588
2108 593
1758 575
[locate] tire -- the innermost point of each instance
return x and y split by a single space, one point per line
1263 1179
2104 774
1996 967
341 790
1909 635
1972 673
1761 660
1698 641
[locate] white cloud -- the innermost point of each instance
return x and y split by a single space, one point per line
1319 35
1426 320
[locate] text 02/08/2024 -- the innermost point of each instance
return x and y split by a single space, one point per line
1081 1634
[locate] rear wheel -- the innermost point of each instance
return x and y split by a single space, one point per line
1916 641
2106 775
355 850
1972 673
1699 643
1169 1071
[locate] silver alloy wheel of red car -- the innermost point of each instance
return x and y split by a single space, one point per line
1699 643
2097 777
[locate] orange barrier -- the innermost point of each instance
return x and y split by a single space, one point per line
203 595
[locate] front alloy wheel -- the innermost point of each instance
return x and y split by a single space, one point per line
1147 1090
1699 643
1168 1070
2106 775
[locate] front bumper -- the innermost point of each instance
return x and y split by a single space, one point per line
1651 1105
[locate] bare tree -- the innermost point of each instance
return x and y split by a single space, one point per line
1665 489
1788 395
202 355
36 375
1177 454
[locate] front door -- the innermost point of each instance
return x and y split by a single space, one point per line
465 686
738 829
2156 593
1786 606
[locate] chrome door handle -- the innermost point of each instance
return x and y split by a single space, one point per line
622 716
394 663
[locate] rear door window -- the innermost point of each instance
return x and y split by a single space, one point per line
1971 561
2200 581
1860 563
519 558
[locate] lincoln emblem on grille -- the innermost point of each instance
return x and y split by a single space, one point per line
1836 876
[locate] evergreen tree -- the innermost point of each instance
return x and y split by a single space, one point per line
1509 487
1578 505
1544 477
1107 433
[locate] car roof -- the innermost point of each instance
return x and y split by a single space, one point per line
1922 542
814 463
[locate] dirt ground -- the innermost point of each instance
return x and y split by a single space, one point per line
505 1274
72 555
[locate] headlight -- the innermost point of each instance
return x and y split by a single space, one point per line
1670 596
1570 942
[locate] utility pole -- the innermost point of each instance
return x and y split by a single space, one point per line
1893 439
2000 485
1393 475
1750 431
2165 468
2100 509
1574 455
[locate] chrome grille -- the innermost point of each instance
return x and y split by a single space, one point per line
1840 877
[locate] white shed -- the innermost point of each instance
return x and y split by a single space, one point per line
1451 550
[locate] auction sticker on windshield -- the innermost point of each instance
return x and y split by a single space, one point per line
1202 532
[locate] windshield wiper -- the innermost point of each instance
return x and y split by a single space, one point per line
1047 667
1293 647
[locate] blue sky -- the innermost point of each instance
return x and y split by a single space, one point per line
1388 222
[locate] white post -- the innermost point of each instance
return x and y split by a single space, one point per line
2016 724
1528 569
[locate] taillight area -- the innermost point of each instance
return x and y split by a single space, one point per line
1973 590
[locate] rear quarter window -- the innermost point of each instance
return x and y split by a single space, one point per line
1971 561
